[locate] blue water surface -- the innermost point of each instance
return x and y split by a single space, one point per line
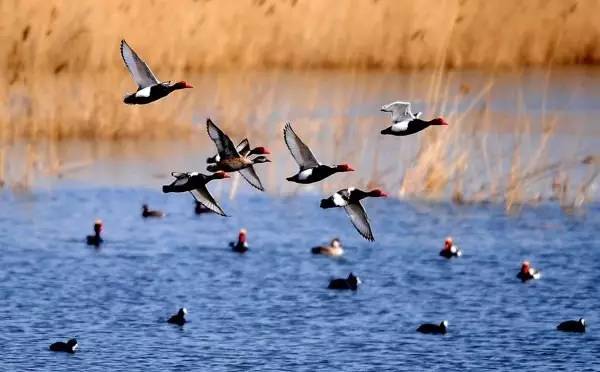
270 310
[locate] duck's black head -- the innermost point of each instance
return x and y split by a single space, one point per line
182 312
72 344
98 227
444 325
353 280
145 207
582 322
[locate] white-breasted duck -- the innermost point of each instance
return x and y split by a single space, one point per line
96 239
349 199
405 122
333 249
434 329
527 272
230 160
195 183
450 249
67 347
577 326
243 148
241 246
148 213
351 282
178 318
150 88
310 168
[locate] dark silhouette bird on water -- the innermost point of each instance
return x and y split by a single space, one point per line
95 239
577 326
178 318
351 283
241 246
147 212
67 347
434 329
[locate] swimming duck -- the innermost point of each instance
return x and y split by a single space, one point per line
67 347
434 328
400 111
95 239
333 249
527 272
310 168
405 123
230 159
195 183
149 87
241 246
147 212
178 318
243 148
351 282
572 326
350 199
450 249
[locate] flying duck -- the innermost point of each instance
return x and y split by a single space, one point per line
350 199
351 282
241 246
333 249
67 347
527 272
400 111
147 212
95 239
195 183
450 249
178 318
310 168
434 328
572 326
230 160
149 87
405 122
243 148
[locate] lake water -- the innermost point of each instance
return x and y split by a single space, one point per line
270 309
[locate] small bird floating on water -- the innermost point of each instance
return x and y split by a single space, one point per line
147 212
241 246
310 168
450 249
178 318
243 148
527 272
577 326
434 329
95 239
333 249
150 88
195 183
67 347
351 282
350 199
230 160
405 122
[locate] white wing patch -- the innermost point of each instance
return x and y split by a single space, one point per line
145 92
305 174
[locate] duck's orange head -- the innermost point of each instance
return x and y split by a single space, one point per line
98 226
439 121
344 168
448 243
242 236
525 267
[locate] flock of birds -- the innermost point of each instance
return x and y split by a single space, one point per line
242 158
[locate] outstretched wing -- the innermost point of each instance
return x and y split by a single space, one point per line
301 153
243 148
250 175
140 71
400 111
360 220
204 197
225 147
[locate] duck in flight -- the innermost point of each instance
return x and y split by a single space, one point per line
350 199
405 122
195 183
310 168
230 160
150 88
244 149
